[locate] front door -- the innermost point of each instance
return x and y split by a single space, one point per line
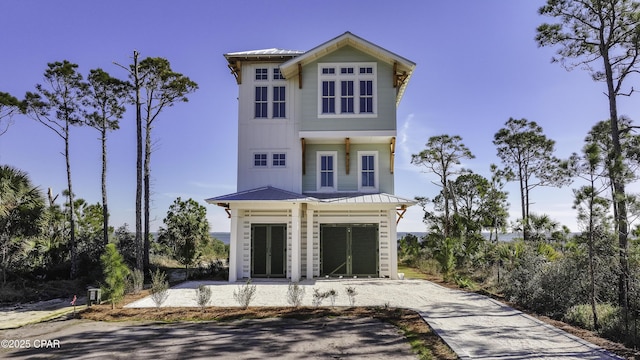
268 250
349 249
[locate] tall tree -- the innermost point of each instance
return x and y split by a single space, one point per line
497 204
106 97
161 88
58 106
21 207
9 106
527 155
591 207
186 229
605 31
134 74
443 156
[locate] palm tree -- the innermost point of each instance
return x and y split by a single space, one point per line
21 206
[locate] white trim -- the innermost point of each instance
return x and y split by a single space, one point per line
356 77
376 169
319 155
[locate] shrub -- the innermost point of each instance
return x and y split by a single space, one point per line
318 297
332 294
203 296
609 319
159 287
245 294
136 280
295 293
351 293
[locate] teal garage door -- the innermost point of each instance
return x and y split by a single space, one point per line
349 249
268 250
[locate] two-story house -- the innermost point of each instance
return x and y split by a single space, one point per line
316 147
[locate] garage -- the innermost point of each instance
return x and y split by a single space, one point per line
349 250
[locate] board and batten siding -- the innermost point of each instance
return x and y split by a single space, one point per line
384 218
267 135
348 182
385 118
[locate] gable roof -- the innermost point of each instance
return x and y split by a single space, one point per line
401 64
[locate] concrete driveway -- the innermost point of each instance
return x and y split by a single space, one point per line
474 326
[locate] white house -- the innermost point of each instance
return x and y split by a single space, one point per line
316 147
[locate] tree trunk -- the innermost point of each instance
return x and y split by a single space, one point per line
139 240
619 197
147 171
523 204
592 278
105 211
618 185
72 222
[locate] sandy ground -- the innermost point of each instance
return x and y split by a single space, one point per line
335 338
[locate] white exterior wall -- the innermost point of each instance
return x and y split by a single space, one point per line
384 218
267 135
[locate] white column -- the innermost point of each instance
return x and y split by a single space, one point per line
393 245
233 247
309 244
295 243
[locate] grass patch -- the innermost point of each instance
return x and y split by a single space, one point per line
411 273
423 340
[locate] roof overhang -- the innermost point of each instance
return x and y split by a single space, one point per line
269 194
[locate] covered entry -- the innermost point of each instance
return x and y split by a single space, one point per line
268 250
349 249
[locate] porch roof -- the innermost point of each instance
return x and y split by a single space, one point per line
269 193
266 193
362 198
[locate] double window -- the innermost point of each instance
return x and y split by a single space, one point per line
263 160
269 90
347 89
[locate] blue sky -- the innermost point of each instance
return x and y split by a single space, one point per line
477 65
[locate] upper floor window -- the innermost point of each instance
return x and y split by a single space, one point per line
277 75
353 85
328 97
327 171
260 160
262 73
279 159
270 94
261 102
279 104
368 170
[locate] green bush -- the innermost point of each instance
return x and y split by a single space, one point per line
245 294
609 318
159 287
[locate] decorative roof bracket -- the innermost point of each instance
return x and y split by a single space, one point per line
398 77
236 70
